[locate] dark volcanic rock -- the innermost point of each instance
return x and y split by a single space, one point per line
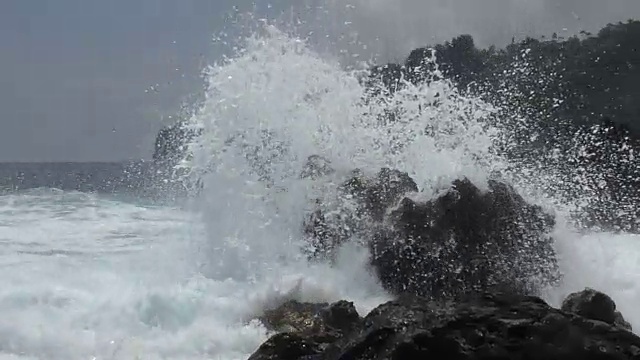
310 318
466 241
488 326
287 346
375 196
306 328
342 316
363 200
294 316
595 305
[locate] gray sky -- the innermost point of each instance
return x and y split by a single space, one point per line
75 74
402 25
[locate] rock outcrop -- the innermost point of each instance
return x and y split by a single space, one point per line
309 318
360 207
306 328
595 305
486 326
465 240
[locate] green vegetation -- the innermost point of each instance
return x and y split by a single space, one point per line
582 79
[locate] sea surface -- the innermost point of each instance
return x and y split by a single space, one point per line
109 275
99 263
91 275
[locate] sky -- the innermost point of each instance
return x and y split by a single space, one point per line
89 80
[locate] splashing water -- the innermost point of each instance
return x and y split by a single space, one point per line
94 277
277 103
274 104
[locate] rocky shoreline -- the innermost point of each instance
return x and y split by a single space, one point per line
468 239
486 326
466 268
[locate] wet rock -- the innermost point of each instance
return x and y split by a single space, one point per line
595 305
342 316
621 322
294 316
375 196
318 319
306 328
361 201
486 326
466 241
287 346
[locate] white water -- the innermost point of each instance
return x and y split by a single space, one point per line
92 278
86 277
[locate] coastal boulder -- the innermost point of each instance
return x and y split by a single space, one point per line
466 240
306 329
595 305
311 318
359 208
288 346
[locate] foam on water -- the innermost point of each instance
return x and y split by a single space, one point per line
91 278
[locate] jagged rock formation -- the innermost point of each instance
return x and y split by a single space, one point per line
595 305
362 200
308 318
465 240
486 326
305 328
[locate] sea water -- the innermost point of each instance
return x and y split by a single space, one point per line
90 275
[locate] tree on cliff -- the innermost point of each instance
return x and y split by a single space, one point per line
582 78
